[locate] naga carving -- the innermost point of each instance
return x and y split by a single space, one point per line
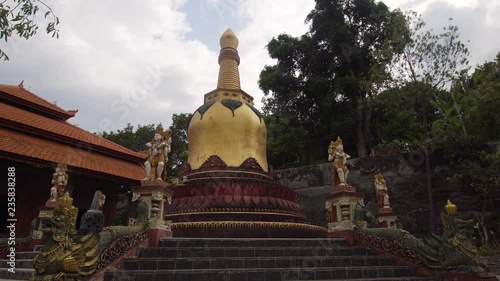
451 251
61 258
67 255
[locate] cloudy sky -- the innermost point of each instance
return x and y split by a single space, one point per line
138 62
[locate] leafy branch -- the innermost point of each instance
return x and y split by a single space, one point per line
20 17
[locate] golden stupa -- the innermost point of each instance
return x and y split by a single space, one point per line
227 124
228 189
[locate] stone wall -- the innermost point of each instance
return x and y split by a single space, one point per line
406 180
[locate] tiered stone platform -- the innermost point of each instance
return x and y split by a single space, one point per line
221 201
259 259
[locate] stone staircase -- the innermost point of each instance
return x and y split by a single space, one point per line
183 259
24 267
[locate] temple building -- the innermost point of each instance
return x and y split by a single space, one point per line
228 188
35 136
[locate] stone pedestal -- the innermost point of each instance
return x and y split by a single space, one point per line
386 218
340 206
157 195
45 211
156 234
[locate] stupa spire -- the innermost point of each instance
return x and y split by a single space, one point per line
229 76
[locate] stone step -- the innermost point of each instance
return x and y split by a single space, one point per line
270 274
20 273
385 279
315 251
164 263
20 263
25 255
254 242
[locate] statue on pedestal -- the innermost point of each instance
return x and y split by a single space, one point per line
381 192
339 157
102 200
159 148
59 180
53 195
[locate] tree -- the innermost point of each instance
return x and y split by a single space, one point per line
395 119
135 141
342 59
430 62
179 153
286 143
479 171
485 91
435 59
20 17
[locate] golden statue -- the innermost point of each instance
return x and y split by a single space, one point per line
159 148
339 157
60 257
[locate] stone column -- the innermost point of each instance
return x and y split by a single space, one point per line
158 196
386 218
340 210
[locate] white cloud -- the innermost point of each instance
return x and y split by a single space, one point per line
135 62
267 19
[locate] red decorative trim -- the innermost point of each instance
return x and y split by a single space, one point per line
345 193
389 247
212 162
186 168
251 164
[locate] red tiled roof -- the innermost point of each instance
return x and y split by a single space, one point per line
21 144
67 132
21 95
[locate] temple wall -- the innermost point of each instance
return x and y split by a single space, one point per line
406 181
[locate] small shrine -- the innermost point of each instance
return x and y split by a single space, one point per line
343 204
385 216
153 189
59 183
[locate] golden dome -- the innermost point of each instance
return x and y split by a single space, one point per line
227 125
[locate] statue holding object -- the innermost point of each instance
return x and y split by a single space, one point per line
59 181
339 157
159 148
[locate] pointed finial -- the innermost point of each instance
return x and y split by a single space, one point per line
450 208
21 84
229 39
95 200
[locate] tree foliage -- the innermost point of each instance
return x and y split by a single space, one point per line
471 110
433 63
133 140
484 120
339 62
286 144
436 59
20 17
395 116
480 173
179 153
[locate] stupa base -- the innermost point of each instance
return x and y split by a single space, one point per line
246 206
248 229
